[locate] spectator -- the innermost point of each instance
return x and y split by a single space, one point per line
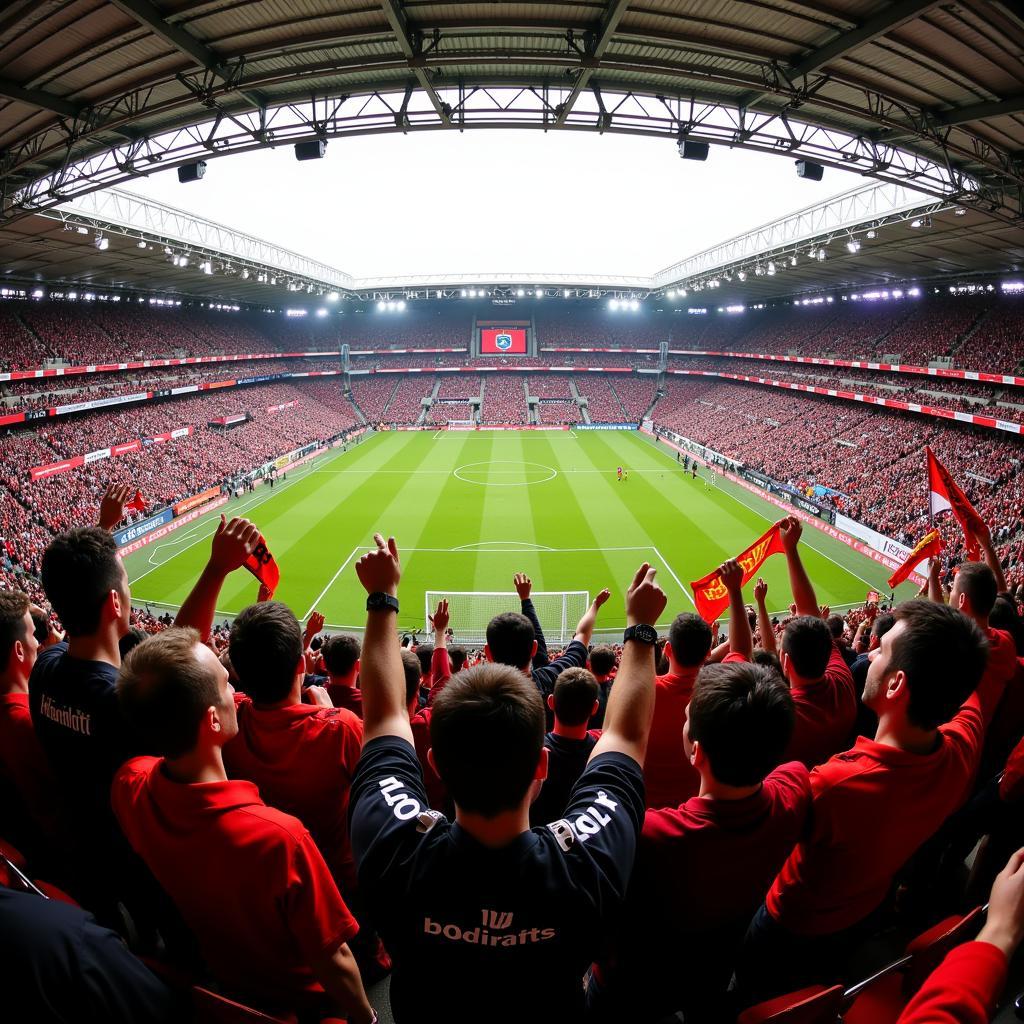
574 702
602 663
247 878
30 797
704 867
478 905
300 756
515 639
340 657
62 965
924 756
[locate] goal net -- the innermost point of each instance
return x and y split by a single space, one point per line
471 610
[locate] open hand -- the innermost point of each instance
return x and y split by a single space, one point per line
523 585
233 543
112 504
439 620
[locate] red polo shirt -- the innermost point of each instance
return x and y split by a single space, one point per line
874 805
247 879
302 759
24 764
437 791
669 778
963 989
826 713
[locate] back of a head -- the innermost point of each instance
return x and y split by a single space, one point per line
808 642
425 653
79 569
130 641
882 624
977 582
767 659
40 625
690 638
836 626
510 638
457 656
266 649
411 668
340 654
742 716
13 605
1004 616
602 660
943 654
486 732
164 691
576 690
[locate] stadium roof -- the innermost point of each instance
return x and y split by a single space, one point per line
93 93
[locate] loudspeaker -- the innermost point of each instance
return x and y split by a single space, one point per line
806 169
693 150
312 150
191 172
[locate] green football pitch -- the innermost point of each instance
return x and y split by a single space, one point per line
469 509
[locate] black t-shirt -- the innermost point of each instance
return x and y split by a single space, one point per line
566 760
79 724
60 965
490 934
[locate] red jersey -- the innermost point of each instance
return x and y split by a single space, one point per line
348 697
874 805
669 778
436 790
1008 723
247 878
24 764
302 759
963 989
826 713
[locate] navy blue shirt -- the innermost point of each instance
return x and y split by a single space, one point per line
79 725
60 966
566 760
477 933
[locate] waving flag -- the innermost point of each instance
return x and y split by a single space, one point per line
928 547
262 565
709 593
945 495
138 502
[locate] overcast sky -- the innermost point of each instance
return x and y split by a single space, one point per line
497 201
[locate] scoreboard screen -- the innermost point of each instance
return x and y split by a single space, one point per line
500 341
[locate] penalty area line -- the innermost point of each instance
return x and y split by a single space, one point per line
319 596
671 572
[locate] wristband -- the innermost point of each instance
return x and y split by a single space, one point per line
381 602
642 633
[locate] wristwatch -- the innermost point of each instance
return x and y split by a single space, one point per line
643 633
381 602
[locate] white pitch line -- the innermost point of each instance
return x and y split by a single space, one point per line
341 569
671 573
523 551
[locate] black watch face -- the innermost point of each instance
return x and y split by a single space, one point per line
646 634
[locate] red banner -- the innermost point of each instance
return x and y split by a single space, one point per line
41 472
262 565
283 405
201 498
709 593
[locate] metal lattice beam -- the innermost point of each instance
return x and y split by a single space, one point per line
594 49
411 45
981 111
146 14
37 98
887 19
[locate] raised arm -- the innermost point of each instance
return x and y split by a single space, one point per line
799 582
381 675
627 719
440 662
232 544
112 505
984 537
741 640
934 584
524 587
585 627
764 622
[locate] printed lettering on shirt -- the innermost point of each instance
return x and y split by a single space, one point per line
70 718
427 820
484 935
587 824
402 805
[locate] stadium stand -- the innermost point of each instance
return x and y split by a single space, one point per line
504 400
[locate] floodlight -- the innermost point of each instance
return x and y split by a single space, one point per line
245 275
540 293
693 150
381 306
742 275
671 293
311 150
634 305
520 292
142 245
102 243
871 234
567 293
182 261
82 231
321 312
853 245
809 170
613 304
400 305
191 172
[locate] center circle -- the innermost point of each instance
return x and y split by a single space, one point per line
484 475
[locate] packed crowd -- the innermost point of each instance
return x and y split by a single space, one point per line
873 459
680 823
504 400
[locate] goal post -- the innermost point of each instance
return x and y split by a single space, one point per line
470 610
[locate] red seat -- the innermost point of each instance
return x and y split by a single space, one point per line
13 854
211 1008
814 1005
882 998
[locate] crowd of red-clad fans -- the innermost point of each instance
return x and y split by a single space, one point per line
199 819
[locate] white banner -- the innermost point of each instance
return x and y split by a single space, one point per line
878 541
103 453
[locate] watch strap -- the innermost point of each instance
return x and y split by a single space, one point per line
379 601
